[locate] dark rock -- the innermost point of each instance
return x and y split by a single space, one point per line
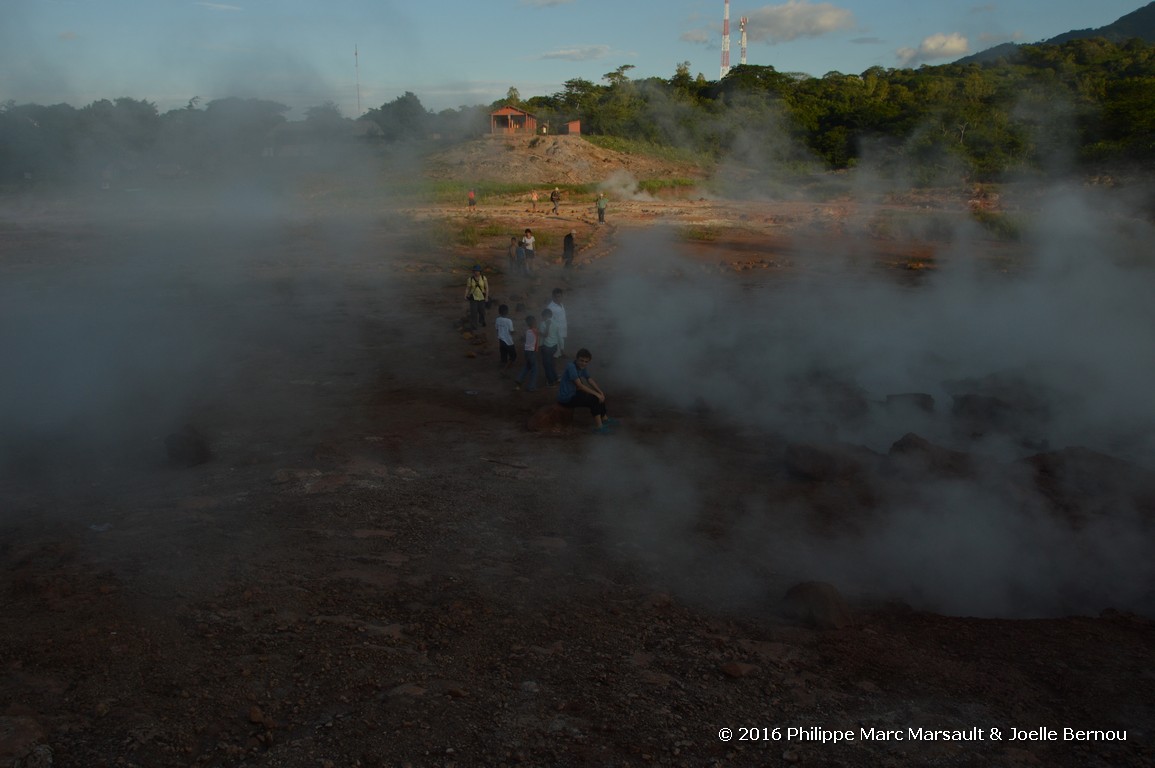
1011 403
833 461
817 604
980 414
916 455
18 736
187 448
915 401
551 418
825 393
1081 483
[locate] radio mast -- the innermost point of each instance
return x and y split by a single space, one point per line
726 40
742 27
357 75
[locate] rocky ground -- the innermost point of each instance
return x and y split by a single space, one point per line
548 160
357 554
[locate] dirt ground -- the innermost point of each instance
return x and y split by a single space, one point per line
380 565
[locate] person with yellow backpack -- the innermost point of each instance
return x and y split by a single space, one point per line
477 294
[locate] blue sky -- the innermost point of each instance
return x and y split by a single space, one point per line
463 52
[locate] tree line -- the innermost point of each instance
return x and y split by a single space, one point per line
1083 103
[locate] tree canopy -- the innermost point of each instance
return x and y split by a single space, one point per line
1050 107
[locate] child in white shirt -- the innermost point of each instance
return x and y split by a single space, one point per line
504 327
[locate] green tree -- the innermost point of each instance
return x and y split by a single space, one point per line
403 119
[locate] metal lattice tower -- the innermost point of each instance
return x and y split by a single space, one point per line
742 27
726 40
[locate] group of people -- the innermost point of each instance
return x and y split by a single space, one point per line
555 199
522 253
601 203
543 344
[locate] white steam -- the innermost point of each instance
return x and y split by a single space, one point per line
809 356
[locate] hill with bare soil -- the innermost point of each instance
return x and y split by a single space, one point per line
547 160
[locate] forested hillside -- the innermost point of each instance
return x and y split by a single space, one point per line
1078 106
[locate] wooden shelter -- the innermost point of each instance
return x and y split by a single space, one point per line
511 120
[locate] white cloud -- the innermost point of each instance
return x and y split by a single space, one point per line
698 36
795 19
579 53
781 23
220 7
938 46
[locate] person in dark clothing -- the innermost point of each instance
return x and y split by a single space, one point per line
567 249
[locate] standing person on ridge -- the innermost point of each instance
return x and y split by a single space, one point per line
555 198
602 203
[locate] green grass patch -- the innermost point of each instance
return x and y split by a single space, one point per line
472 232
1000 225
647 148
657 186
700 233
449 192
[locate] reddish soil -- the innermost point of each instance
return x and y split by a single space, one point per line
381 566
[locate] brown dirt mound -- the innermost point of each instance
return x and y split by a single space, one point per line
547 160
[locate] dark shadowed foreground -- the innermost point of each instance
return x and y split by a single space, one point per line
264 503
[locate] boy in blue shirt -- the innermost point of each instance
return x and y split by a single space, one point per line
578 390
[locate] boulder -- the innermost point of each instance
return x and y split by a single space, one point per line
817 604
1010 403
1080 484
833 461
18 737
551 418
912 454
911 401
980 414
187 448
828 394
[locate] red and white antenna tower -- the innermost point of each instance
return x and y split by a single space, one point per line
742 26
726 40
357 71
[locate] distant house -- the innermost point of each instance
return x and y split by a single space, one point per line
511 120
573 128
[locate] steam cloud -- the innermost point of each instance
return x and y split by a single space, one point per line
1068 325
